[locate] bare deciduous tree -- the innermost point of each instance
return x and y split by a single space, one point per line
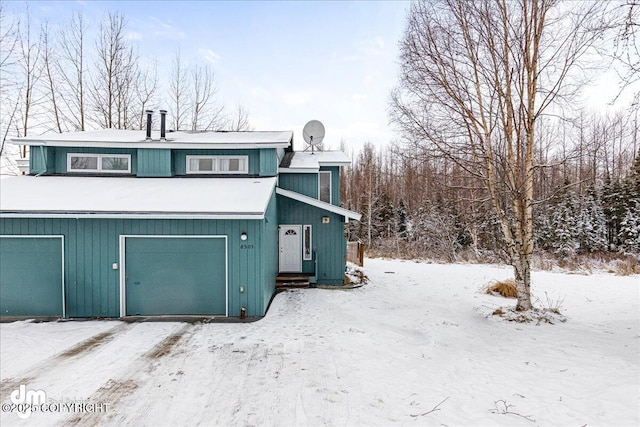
239 120
116 73
30 68
178 89
49 58
8 101
627 44
72 70
476 77
206 112
146 88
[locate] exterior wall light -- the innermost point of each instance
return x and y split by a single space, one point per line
243 236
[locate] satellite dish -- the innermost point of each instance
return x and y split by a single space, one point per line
313 133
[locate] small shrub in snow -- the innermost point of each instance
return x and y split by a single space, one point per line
537 315
355 275
627 267
506 288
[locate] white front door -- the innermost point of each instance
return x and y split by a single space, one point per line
290 238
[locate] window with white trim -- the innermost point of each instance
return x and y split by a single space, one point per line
218 164
324 186
307 253
102 163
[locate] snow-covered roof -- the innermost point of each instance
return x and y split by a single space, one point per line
310 162
180 139
114 197
319 204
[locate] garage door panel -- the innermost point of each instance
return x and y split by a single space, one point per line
175 276
31 276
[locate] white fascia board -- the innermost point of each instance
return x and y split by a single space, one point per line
147 144
334 163
150 215
298 170
318 203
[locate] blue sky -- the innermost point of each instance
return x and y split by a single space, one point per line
285 62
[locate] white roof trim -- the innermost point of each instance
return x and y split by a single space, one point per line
298 170
318 203
114 138
151 144
140 215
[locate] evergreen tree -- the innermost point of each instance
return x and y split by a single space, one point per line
592 225
629 235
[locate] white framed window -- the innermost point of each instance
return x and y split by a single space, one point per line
307 252
218 164
324 186
104 163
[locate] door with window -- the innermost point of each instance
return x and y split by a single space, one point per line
290 242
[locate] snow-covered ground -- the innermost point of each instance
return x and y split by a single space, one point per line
413 347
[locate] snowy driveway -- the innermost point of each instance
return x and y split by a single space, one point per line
413 347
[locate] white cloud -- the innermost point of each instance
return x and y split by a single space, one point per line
164 29
210 56
134 35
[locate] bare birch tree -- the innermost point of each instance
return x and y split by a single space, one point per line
72 70
49 58
475 79
627 44
146 88
8 98
206 112
239 120
178 89
30 69
115 74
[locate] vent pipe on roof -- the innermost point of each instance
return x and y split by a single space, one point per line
163 125
149 120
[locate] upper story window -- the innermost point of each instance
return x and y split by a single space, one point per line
218 164
103 163
324 186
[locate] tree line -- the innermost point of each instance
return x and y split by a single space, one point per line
587 200
58 78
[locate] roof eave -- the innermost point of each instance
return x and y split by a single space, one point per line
147 144
319 204
134 215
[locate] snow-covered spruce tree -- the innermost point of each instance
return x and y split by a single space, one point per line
629 231
564 225
629 235
475 79
592 224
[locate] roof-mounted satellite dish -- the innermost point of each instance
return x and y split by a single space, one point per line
313 134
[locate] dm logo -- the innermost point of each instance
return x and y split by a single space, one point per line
25 399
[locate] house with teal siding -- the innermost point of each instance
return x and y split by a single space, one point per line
117 223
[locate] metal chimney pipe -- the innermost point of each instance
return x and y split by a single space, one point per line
149 120
163 125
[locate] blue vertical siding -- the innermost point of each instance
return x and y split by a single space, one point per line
268 162
303 183
42 160
92 287
154 162
269 251
328 240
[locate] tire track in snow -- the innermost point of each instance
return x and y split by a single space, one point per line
114 391
80 349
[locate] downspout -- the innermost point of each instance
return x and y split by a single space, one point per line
44 161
